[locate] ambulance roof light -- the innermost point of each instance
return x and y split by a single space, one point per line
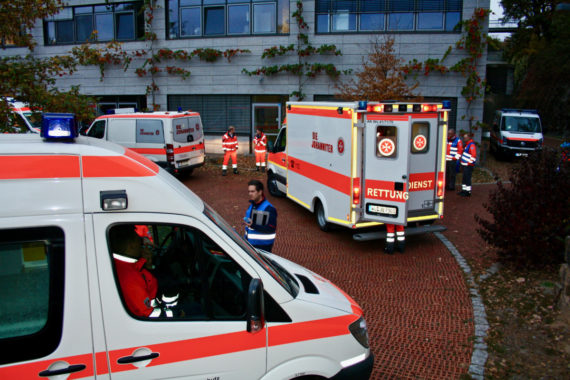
114 200
58 126
362 105
446 104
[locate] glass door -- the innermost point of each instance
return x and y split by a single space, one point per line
267 117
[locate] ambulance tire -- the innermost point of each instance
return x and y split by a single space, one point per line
321 218
272 186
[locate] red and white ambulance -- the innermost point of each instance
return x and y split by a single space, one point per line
26 120
360 164
173 140
233 312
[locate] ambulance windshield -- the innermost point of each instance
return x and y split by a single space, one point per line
521 124
277 272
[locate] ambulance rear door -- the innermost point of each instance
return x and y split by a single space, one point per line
424 151
385 168
188 141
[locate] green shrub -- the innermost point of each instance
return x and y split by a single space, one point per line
531 215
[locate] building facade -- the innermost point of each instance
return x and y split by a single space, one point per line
219 87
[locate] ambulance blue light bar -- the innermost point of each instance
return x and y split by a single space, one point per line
59 126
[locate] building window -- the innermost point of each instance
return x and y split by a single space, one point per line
204 18
75 25
348 16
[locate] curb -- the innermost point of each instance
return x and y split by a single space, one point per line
479 356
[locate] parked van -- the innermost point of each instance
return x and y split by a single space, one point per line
516 133
213 307
26 120
173 140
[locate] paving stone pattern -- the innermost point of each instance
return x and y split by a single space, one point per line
418 305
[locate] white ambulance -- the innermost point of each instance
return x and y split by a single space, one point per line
67 310
26 120
362 164
516 133
173 140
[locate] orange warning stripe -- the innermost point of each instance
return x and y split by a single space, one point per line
325 112
332 179
162 151
131 164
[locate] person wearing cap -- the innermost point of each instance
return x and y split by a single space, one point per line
260 218
230 146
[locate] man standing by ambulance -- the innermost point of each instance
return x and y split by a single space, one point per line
454 151
468 159
230 146
260 147
260 218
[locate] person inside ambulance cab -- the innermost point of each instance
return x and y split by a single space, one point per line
133 262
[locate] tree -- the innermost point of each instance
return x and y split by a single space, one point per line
539 52
380 78
30 79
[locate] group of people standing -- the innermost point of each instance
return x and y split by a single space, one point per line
460 153
230 146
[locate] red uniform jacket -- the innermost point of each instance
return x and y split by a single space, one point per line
138 285
260 143
229 143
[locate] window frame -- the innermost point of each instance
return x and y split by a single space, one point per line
115 10
449 9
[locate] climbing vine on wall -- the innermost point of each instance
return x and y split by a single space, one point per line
302 69
113 54
474 41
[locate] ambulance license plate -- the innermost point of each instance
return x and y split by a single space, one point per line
381 210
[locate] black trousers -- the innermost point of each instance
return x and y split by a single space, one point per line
467 172
450 173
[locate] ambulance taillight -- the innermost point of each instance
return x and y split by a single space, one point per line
170 154
429 107
356 195
440 184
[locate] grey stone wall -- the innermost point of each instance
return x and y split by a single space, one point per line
224 77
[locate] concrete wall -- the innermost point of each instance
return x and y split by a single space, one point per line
222 77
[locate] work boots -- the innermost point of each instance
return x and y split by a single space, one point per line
236 171
263 169
389 248
224 172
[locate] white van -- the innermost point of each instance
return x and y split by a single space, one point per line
26 120
173 140
516 133
232 312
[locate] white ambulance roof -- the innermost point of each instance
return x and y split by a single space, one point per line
150 115
525 113
38 178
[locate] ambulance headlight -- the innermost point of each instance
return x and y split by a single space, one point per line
359 331
58 126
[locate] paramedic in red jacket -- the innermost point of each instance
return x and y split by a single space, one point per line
230 145
132 263
454 151
260 147
468 160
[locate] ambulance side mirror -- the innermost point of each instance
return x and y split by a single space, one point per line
255 306
270 146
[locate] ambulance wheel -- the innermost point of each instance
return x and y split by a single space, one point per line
320 216
272 186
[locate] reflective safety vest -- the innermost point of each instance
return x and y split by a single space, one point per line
260 143
229 142
469 156
263 217
454 149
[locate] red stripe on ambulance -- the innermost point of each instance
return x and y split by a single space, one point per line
384 191
325 112
39 166
421 181
324 176
32 369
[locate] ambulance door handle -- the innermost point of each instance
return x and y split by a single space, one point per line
62 371
133 359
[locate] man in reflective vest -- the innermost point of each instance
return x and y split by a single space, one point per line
468 160
260 147
454 151
230 146
260 218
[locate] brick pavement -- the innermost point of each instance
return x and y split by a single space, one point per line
417 304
